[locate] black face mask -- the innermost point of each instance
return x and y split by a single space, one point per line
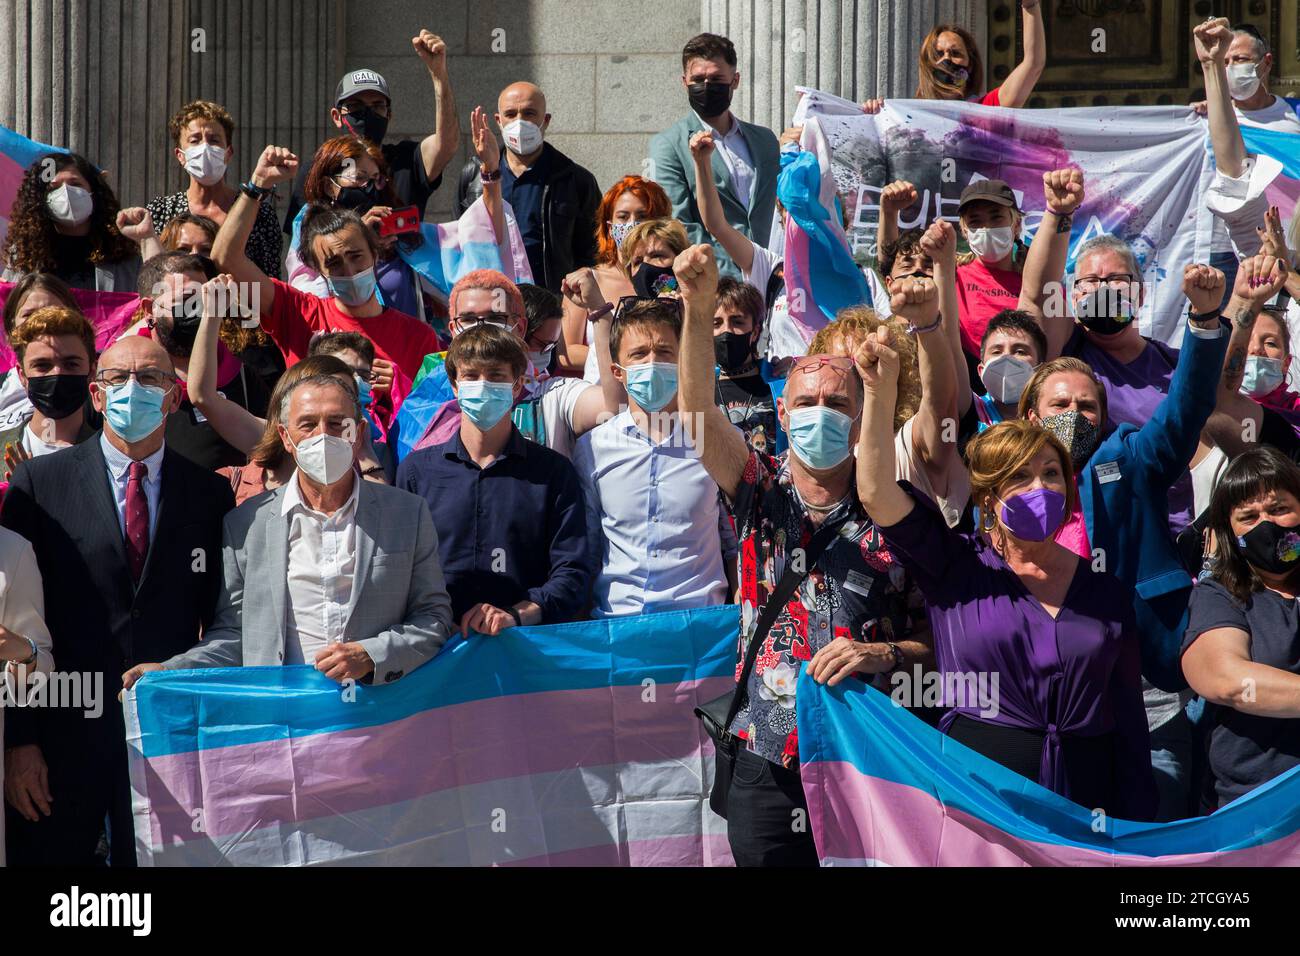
1105 311
949 73
360 199
179 339
709 99
732 351
367 124
58 396
651 281
1271 547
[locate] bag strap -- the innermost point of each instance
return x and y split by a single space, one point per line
785 588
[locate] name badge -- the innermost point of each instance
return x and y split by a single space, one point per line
858 583
1107 471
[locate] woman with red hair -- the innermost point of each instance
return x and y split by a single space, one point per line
629 201
950 66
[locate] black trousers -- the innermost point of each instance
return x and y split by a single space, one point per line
767 815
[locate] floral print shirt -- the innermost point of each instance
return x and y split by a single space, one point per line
856 591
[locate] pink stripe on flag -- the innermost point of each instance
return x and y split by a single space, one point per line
240 788
858 817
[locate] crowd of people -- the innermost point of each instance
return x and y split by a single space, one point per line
968 474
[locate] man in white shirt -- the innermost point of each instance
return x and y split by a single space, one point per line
653 512
745 163
336 572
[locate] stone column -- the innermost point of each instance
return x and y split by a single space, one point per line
854 48
102 77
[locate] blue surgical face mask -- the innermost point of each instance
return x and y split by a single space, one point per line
132 410
485 403
651 385
354 290
1263 374
819 436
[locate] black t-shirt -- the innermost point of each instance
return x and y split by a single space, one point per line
748 403
190 434
1246 750
405 166
1275 430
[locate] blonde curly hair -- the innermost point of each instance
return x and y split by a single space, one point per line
847 333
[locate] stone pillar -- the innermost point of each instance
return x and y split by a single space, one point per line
854 48
102 77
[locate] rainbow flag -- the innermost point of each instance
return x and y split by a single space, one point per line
17 153
886 789
566 745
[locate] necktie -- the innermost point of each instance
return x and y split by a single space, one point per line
137 519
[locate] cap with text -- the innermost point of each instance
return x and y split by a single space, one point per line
359 81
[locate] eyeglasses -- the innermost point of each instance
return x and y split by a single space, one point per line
631 303
148 377
1088 283
378 182
812 363
501 320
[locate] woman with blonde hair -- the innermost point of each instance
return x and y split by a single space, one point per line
1010 603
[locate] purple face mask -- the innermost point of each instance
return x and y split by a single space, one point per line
1034 515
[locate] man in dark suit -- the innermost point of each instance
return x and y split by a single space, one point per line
127 534
746 162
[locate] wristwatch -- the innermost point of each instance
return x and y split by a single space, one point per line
485 176
898 654
255 192
514 612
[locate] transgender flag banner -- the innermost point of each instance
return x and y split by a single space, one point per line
886 789
545 746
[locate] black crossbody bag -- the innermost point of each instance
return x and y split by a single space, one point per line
718 714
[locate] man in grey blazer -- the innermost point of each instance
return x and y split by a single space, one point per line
332 570
745 164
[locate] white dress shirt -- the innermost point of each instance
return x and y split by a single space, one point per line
119 470
652 518
735 153
322 564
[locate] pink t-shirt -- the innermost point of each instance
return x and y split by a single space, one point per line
982 293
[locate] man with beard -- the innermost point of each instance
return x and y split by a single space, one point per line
170 296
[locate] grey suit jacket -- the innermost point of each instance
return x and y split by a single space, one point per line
399 613
674 170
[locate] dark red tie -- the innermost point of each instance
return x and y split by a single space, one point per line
137 519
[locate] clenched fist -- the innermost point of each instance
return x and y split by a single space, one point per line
916 299
1063 190
1203 285
276 165
697 272
896 197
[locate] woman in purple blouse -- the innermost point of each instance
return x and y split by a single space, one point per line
1012 605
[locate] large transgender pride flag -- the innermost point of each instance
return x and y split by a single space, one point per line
884 788
17 152
566 745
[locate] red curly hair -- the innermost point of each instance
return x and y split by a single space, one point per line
648 191
29 246
332 159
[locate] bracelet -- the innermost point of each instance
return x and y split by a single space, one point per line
898 655
255 192
30 659
373 470
1204 317
598 314
485 176
921 330
514 612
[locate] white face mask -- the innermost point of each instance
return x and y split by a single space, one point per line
991 244
70 205
1242 80
522 137
324 458
206 163
1006 377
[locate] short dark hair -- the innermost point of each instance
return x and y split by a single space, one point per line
485 345
323 220
641 314
172 263
709 46
735 294
1014 320
540 305
332 343
908 243
1253 473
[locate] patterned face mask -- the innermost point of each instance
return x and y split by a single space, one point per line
1076 433
618 230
